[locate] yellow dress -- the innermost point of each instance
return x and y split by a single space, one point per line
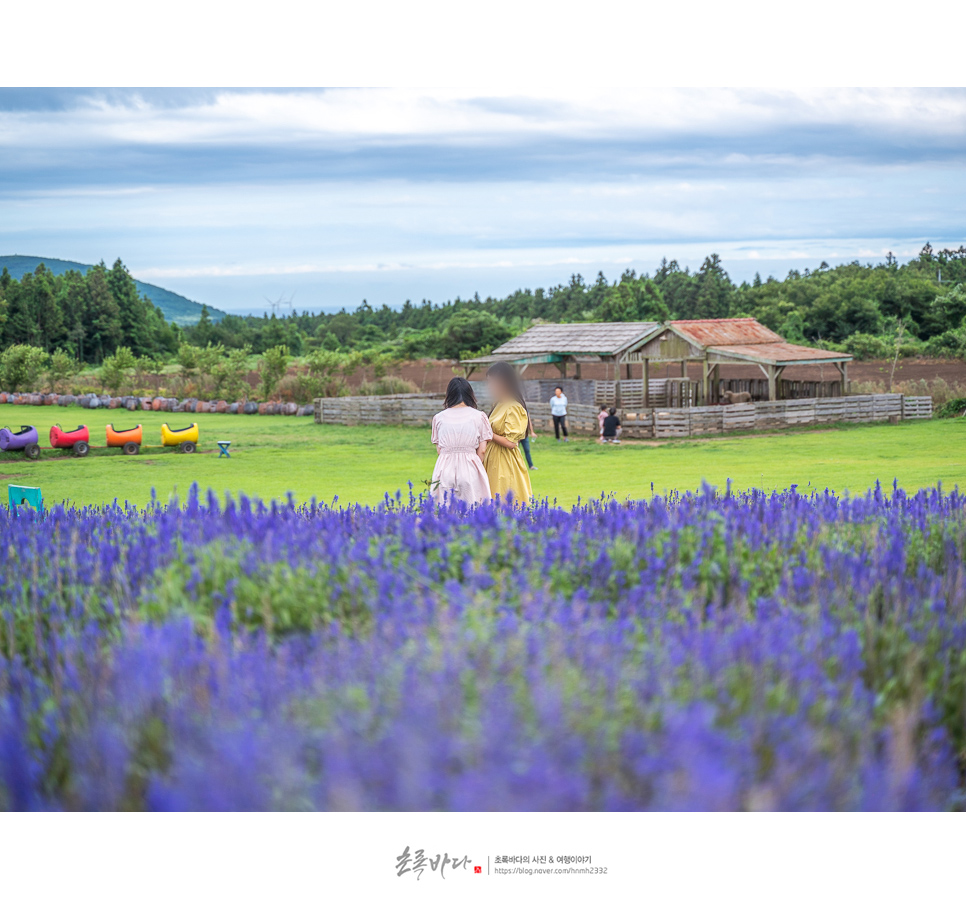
504 466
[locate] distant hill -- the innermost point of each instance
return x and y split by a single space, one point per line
175 308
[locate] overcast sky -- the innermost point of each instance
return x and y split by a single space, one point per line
329 197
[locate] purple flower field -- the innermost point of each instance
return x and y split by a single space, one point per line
707 651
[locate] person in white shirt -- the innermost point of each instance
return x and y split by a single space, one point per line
558 409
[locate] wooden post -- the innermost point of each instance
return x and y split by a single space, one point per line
772 379
704 380
716 373
647 379
684 368
617 383
576 370
844 371
627 369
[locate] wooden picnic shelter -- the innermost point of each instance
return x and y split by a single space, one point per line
710 342
737 340
563 344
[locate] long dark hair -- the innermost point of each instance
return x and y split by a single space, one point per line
459 391
506 374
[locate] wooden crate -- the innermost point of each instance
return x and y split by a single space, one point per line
581 418
858 409
707 420
799 411
831 410
917 407
769 415
739 417
637 425
632 393
886 405
672 423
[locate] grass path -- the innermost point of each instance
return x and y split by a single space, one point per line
273 455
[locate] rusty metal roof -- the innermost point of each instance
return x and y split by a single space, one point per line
778 353
738 331
576 339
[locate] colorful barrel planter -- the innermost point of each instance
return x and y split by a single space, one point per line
185 439
25 439
117 438
67 439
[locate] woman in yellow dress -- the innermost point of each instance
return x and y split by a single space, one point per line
503 461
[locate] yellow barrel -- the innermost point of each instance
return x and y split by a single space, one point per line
171 438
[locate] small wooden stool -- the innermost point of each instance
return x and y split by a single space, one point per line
25 495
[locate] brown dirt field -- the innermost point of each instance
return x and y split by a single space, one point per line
432 376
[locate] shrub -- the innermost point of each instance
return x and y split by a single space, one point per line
423 344
298 388
911 348
952 409
389 385
867 347
114 369
272 368
228 374
188 357
21 366
949 344
328 372
472 332
63 367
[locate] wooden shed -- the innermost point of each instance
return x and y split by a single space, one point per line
739 340
614 344
712 342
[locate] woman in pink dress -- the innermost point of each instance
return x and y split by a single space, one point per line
460 433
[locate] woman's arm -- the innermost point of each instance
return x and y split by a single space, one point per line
504 442
486 435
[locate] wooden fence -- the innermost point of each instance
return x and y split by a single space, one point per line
670 422
664 392
786 413
681 392
403 409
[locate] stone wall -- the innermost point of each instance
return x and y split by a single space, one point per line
156 404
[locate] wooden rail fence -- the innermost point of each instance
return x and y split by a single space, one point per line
681 392
671 422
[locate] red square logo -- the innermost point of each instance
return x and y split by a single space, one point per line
478 870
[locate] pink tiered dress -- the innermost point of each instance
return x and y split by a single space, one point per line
459 472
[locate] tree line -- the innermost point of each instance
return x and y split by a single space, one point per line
870 310
86 316
862 308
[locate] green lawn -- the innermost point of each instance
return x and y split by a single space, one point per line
274 455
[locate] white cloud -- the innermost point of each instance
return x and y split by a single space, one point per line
225 188
344 116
